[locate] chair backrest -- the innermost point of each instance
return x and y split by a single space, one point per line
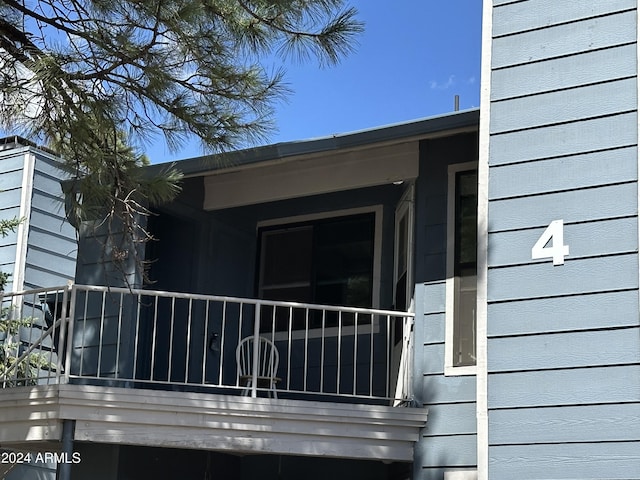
268 358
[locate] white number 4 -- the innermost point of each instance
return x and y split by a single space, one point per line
554 233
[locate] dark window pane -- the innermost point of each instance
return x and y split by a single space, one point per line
465 268
466 218
286 256
326 262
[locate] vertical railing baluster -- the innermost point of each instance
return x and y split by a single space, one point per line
339 350
189 318
172 321
355 352
69 335
46 331
240 321
101 337
29 312
84 330
322 349
52 335
256 351
306 349
205 341
273 323
222 341
118 336
388 357
62 342
153 338
136 338
371 356
289 342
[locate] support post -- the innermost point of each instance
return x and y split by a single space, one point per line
64 468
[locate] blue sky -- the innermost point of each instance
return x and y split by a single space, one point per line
413 58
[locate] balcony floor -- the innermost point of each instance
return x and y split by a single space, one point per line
235 424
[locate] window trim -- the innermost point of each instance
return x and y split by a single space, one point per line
405 206
377 211
449 368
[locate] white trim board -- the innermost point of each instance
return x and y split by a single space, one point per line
482 416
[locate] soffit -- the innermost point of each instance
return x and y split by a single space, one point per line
312 175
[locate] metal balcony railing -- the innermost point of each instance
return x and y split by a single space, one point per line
152 339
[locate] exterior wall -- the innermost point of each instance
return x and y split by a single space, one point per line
563 342
42 251
225 241
11 173
52 247
449 439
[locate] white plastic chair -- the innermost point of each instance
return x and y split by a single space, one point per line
268 359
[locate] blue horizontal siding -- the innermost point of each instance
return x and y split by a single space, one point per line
47 183
584 240
433 327
589 311
583 205
578 423
434 297
564 342
61 246
574 277
450 419
564 173
8 256
579 386
564 106
10 179
565 350
512 17
433 359
611 461
593 33
40 277
566 139
440 389
448 451
564 73
12 159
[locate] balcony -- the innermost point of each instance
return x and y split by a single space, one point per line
199 371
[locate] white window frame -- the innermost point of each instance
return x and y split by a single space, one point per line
377 210
405 208
449 368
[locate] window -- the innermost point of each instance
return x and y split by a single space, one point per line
326 261
460 354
